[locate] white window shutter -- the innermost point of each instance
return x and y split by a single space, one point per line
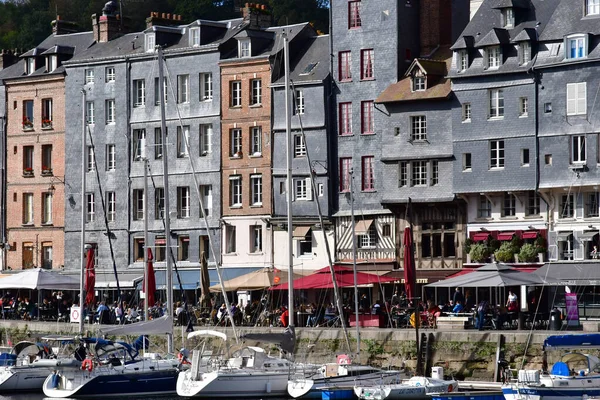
293 190
581 98
571 98
308 189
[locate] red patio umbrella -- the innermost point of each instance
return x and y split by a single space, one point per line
90 277
151 281
409 263
321 279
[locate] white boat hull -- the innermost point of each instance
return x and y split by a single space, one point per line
30 377
233 384
554 388
414 388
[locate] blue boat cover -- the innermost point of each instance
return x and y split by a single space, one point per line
7 359
560 369
573 341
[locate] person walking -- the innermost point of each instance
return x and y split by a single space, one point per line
512 303
481 311
458 296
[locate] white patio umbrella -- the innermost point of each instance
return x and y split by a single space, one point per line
38 278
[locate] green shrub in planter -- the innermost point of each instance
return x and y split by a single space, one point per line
528 253
505 253
468 243
479 252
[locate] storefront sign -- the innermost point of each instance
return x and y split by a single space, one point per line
572 309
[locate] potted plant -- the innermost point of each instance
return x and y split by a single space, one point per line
479 252
505 253
528 253
541 247
28 171
27 123
46 170
238 154
46 123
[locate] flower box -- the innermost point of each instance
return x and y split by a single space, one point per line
46 171
28 172
46 124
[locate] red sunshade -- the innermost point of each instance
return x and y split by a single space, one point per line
344 277
409 264
529 235
151 281
90 277
505 235
480 236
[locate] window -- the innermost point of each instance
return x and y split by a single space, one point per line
533 204
47 208
466 112
345 63
110 111
547 108
256 189
206 86
575 47
139 93
367 118
91 159
386 230
576 98
345 174
183 248
183 202
419 81
368 240
299 146
204 246
159 203
321 189
109 74
47 159
592 7
418 128
30 65
28 159
466 157
354 20
157 143
256 239
111 207
419 173
299 102
366 64
159 248
90 118
509 205
89 76
150 42
578 149
435 173
28 118
368 173
194 36
138 249
157 91
47 255
90 207
345 119
206 193
256 94
236 142
236 94
547 159
508 18
523 106
139 144
525 157
27 208
305 246
524 53
244 48
256 140
183 140
484 209
47 114
438 240
302 189
235 191
493 57
496 109
592 205
497 154
567 206
403 174
183 89
230 239
138 204
463 60
206 132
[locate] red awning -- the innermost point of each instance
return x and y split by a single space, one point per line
506 235
344 277
461 272
480 236
529 234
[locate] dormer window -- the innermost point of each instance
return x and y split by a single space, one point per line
52 63
463 60
575 46
194 36
30 65
150 41
493 57
592 7
244 48
418 81
508 18
524 53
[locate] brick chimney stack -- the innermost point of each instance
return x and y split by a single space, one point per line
162 19
108 26
435 24
8 58
60 27
257 15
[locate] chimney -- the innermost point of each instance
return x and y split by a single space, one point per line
60 27
257 15
8 58
162 19
435 24
108 26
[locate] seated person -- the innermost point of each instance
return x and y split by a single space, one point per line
458 307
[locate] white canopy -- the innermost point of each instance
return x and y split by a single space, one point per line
207 332
40 279
158 326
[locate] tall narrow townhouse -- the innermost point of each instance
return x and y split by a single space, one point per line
569 126
310 104
494 129
247 70
35 134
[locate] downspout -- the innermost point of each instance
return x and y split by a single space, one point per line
129 156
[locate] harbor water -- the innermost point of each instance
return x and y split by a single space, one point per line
40 396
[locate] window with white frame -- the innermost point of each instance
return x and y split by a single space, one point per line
27 208
523 106
139 93
139 144
592 205
90 116
138 204
236 142
419 81
508 18
466 161
509 205
52 61
576 98
158 141
484 208
28 158
567 206
345 172
111 207
159 203
466 112
367 117
91 159
90 211
47 208
345 119
368 240
403 174
463 60
183 248
256 140
299 102
256 239
157 91
418 128
244 48
305 245
345 66
496 109
524 53
419 173
47 158
150 42
183 140
368 173
354 19
206 86
30 65
235 191
302 189
299 146
592 7
533 204
183 89
111 157
110 111
230 239
236 94
435 173
89 76
575 46
183 202
256 92
207 199
206 132
47 113
367 57
524 157
493 57
47 255
195 36
578 149
256 189
109 74
496 153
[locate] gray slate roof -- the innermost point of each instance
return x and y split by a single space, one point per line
316 51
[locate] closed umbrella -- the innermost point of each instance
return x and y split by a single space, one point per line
204 282
151 281
409 263
90 277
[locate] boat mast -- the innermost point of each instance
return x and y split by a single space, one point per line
146 316
288 138
163 132
83 216
354 265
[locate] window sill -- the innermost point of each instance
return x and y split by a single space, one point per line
525 165
235 157
28 224
306 257
231 254
367 134
235 107
235 207
256 253
47 173
484 219
110 123
466 121
28 129
28 174
509 218
367 79
139 105
496 169
256 205
524 116
345 81
47 128
346 135
496 118
203 154
532 216
369 191
47 224
467 170
258 155
206 100
259 105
